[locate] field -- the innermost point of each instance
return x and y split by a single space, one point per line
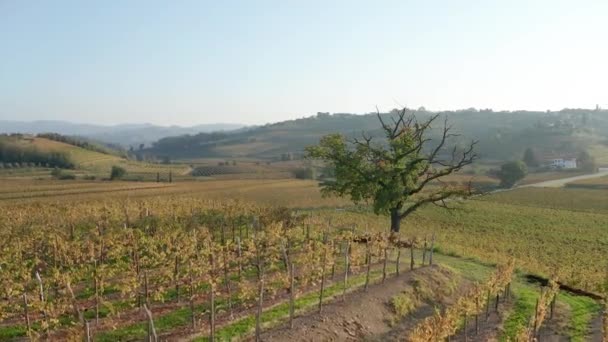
555 233
595 183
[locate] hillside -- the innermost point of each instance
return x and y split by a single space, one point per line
83 161
125 134
501 135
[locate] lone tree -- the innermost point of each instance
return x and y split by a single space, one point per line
393 173
531 158
512 172
117 172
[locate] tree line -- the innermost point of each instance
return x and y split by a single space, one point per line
14 153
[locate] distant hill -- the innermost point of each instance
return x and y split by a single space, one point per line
502 135
28 155
125 135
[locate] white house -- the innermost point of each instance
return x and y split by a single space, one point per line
563 163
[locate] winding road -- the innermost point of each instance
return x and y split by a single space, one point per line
558 183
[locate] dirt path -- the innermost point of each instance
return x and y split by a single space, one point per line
363 316
558 183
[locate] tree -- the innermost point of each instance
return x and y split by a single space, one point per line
531 158
512 172
117 172
393 175
586 162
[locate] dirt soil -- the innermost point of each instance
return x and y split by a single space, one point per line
556 329
490 325
364 315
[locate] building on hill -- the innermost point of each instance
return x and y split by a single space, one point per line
560 161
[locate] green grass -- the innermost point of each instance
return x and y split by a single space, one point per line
12 332
522 311
582 311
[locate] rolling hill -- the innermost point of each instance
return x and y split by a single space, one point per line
125 134
89 162
501 135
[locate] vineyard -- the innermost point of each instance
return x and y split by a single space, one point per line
90 271
186 267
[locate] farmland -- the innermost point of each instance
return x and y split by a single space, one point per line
215 248
549 232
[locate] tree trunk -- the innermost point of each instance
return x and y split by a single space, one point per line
395 221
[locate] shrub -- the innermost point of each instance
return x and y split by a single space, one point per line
66 176
304 173
62 174
117 172
512 172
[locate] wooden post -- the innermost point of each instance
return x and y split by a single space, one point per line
465 327
212 299
384 265
346 266
497 301
176 276
412 257
170 177
87 331
77 313
152 336
40 287
398 260
432 249
369 266
424 252
323 261
240 256
158 177
535 319
477 315
488 306
96 285
146 293
26 314
258 316
192 298
553 306
227 281
291 295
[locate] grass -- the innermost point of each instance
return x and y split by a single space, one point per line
12 332
522 311
583 309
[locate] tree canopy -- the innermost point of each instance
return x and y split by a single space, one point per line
394 174
512 172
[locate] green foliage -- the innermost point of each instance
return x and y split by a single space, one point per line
586 162
12 152
84 143
512 172
117 172
391 174
531 158
304 173
62 175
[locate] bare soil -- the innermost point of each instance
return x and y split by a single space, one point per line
365 315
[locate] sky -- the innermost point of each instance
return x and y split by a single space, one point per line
253 62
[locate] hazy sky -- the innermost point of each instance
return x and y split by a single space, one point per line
191 62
